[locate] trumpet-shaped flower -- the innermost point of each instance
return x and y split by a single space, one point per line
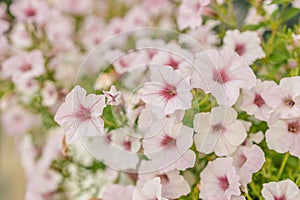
167 89
246 44
253 103
218 131
282 190
219 180
80 114
169 149
222 74
284 99
151 190
284 136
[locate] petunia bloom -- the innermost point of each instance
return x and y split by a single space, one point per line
248 160
24 66
169 149
151 190
167 89
190 12
80 114
173 184
222 74
246 44
282 190
219 182
113 96
253 103
284 99
284 136
218 131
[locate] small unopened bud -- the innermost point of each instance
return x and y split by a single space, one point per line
104 81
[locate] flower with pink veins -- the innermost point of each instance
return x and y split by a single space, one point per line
80 115
284 136
124 139
246 44
284 99
30 11
173 184
115 191
219 180
24 66
189 13
222 73
218 131
253 103
151 190
247 161
167 89
169 149
113 96
282 190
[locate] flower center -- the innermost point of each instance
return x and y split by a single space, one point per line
220 76
26 67
293 127
173 63
30 12
280 198
223 183
289 102
127 145
168 92
240 49
168 141
259 101
218 128
83 114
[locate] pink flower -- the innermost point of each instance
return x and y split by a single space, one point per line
17 115
151 190
189 14
115 154
19 36
222 74
126 62
247 161
282 190
80 114
218 131
173 184
284 136
167 89
219 180
114 191
284 99
169 149
253 103
113 96
42 181
124 139
24 66
246 44
30 11
49 94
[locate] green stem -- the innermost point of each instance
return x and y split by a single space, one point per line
254 189
285 159
248 196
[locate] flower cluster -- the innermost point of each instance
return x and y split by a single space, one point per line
106 107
